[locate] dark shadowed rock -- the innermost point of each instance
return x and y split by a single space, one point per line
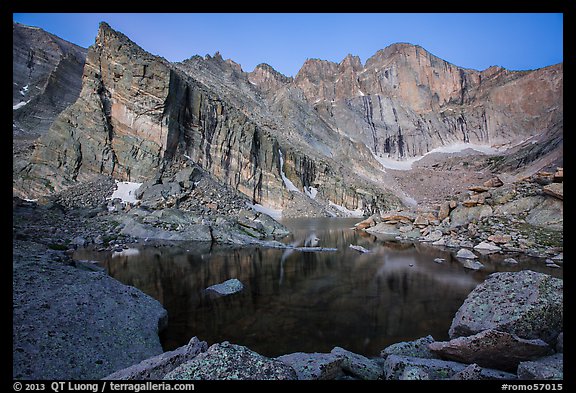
357 365
227 361
314 365
492 349
550 367
399 367
525 303
157 367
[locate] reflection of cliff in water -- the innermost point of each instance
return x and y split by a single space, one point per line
302 301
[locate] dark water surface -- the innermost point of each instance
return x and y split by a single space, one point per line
301 301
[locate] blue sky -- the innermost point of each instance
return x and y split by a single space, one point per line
516 41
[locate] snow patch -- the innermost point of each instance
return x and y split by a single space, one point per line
358 213
289 185
19 105
311 192
453 148
24 90
126 191
129 252
274 213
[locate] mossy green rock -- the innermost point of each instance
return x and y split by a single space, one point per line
525 303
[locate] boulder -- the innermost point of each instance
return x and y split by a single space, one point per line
526 303
487 247
491 348
367 223
493 182
471 264
471 372
444 210
478 189
463 215
555 189
397 367
357 365
465 254
417 348
314 366
157 367
227 287
433 236
500 239
559 175
225 361
546 368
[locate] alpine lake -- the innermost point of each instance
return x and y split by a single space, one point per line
296 301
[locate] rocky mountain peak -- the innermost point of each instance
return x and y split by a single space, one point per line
267 78
350 62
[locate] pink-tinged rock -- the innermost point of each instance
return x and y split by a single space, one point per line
555 189
491 348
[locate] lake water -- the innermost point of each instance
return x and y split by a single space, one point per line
306 301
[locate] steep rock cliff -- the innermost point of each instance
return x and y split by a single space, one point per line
405 101
137 114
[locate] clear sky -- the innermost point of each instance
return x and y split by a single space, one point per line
516 41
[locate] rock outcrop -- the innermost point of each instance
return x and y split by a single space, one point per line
46 78
227 361
526 303
138 114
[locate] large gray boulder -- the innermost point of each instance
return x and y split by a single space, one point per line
70 323
526 303
492 349
225 361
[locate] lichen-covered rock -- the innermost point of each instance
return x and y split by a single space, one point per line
492 349
227 361
157 367
549 367
314 366
417 348
357 365
526 303
397 367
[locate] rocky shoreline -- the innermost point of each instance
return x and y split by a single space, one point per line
525 216
72 321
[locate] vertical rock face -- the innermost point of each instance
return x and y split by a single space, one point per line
45 78
137 114
405 101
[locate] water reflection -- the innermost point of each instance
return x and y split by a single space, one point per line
303 301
